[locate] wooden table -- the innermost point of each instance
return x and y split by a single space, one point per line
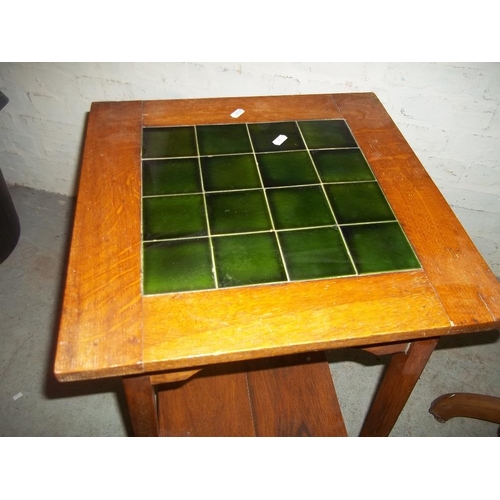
249 360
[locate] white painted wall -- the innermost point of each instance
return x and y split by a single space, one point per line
449 113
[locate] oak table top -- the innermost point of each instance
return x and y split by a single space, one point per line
117 320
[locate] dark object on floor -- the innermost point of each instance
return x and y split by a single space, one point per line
3 100
10 228
9 221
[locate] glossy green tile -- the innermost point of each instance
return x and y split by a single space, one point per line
379 247
238 212
241 240
173 217
181 175
287 169
327 134
177 266
341 165
315 253
223 139
263 135
168 142
358 202
299 207
230 172
248 259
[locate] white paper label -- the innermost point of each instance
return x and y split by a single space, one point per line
280 140
237 112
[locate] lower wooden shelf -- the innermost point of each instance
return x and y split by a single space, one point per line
284 396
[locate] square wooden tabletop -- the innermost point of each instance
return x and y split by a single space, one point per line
110 327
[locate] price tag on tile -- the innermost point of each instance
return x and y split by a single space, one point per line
280 140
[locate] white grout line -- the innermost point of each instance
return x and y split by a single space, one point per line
212 252
270 283
166 158
386 199
287 230
142 217
255 189
328 201
263 188
268 207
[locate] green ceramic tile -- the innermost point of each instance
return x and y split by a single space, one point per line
223 139
173 217
177 266
238 212
263 135
168 142
315 253
342 165
327 134
287 169
241 240
299 207
230 172
181 175
248 259
358 202
379 247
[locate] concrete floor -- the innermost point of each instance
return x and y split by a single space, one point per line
33 403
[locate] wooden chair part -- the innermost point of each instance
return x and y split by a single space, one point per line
468 405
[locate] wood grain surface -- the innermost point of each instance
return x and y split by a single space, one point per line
272 397
107 328
141 399
396 387
257 109
100 331
252 322
463 404
467 288
213 403
294 396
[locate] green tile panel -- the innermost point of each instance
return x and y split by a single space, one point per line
238 212
358 202
177 265
248 259
327 134
289 168
224 206
228 172
169 142
297 207
379 247
180 175
263 135
315 253
223 139
342 165
173 217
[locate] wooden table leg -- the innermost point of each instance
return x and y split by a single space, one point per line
399 380
141 402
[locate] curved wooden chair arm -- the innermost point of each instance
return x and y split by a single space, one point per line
466 405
